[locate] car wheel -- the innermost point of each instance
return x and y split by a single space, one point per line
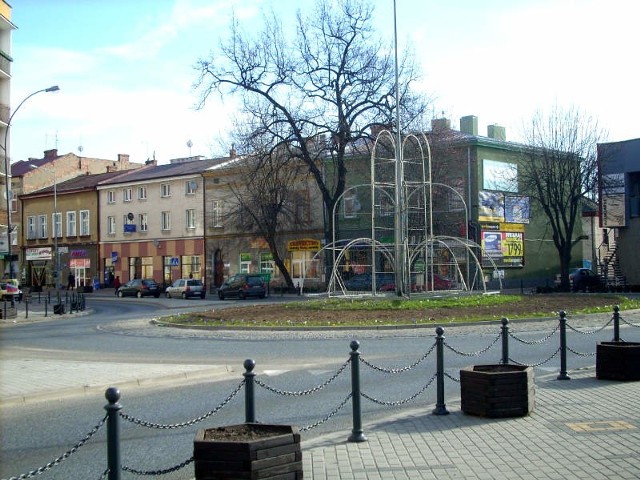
120 294
202 296
184 295
221 295
139 294
241 295
263 295
156 295
167 294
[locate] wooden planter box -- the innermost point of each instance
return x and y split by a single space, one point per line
249 450
618 361
497 391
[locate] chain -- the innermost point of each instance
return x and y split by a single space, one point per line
474 354
104 475
628 322
398 370
536 342
144 423
536 364
155 473
64 456
320 422
303 392
590 354
457 380
592 331
403 401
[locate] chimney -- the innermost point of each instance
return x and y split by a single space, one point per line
439 124
496 132
469 125
232 152
51 154
123 161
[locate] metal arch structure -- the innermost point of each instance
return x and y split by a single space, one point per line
399 212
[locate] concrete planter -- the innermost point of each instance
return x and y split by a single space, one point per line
250 450
497 391
618 361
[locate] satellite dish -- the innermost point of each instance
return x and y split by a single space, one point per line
130 216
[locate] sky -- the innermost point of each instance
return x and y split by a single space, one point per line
126 68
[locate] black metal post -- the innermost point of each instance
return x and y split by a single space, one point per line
357 434
505 341
563 346
616 323
26 307
441 408
46 305
113 433
249 391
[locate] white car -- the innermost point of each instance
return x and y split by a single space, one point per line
185 288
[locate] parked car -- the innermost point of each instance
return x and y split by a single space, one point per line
440 283
10 289
583 279
242 286
185 288
139 287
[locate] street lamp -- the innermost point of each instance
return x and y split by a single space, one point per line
7 171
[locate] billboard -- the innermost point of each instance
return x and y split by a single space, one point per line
503 244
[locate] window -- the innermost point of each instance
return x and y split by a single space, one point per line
165 221
42 226
111 225
56 224
266 263
142 193
111 196
14 205
191 218
165 190
84 222
190 187
142 220
190 266
245 263
351 206
31 228
71 224
216 214
126 194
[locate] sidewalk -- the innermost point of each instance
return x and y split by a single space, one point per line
582 428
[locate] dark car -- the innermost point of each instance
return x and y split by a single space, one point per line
185 288
139 287
584 279
242 286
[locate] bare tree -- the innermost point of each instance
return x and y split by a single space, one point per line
558 171
270 197
332 82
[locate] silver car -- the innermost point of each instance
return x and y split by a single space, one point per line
185 288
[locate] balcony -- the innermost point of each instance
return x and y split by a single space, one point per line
5 64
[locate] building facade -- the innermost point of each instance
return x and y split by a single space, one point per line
619 206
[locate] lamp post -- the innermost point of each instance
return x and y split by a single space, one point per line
7 171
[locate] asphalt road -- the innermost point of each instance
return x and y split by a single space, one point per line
33 435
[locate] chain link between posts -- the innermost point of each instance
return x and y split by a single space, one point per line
156 473
327 417
62 457
144 423
399 370
535 342
302 393
479 352
403 401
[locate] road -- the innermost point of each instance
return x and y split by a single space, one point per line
119 331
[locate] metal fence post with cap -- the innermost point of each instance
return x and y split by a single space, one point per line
357 434
505 341
441 408
616 323
114 464
249 391
563 346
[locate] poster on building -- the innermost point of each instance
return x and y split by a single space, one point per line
613 214
516 209
490 206
502 245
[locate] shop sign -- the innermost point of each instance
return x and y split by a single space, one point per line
79 263
76 253
305 244
43 253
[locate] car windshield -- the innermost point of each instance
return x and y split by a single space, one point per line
254 281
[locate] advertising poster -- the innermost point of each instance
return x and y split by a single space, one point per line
504 244
491 206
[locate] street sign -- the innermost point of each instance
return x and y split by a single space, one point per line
114 257
175 262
